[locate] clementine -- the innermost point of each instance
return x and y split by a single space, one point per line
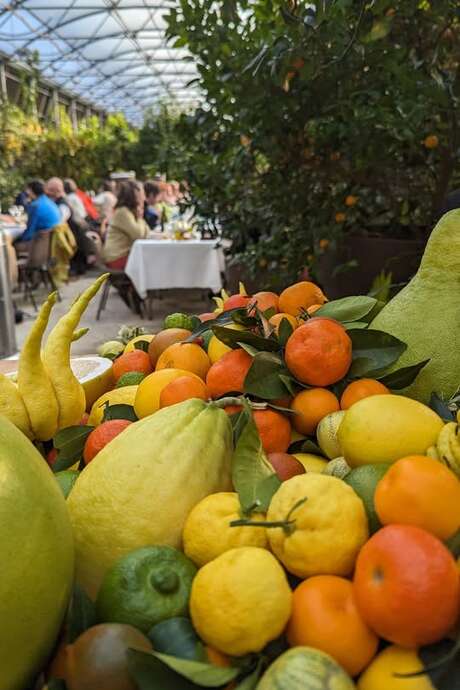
183 388
363 388
311 406
187 356
300 296
236 301
136 360
227 375
101 436
276 320
274 430
266 300
420 491
325 616
406 586
319 352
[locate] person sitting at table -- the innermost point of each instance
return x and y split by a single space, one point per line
42 212
127 225
152 197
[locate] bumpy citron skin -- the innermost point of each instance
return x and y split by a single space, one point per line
305 668
12 405
56 358
34 383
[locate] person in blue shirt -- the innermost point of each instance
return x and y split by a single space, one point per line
42 213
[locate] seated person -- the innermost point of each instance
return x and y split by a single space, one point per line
127 225
152 197
42 212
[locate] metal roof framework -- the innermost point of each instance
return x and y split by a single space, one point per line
114 53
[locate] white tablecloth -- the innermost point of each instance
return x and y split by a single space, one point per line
168 264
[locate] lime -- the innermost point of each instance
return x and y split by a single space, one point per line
179 320
66 479
363 480
145 587
131 378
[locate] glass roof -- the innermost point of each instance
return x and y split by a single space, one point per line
112 52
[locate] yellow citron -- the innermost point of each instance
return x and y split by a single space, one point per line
207 532
326 525
311 462
12 405
139 338
240 601
56 357
381 674
149 390
119 396
216 348
34 383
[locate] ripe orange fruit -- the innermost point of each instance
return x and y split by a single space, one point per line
187 356
183 388
236 301
276 319
274 430
325 616
164 339
300 296
351 200
420 491
311 406
228 373
217 658
136 360
319 352
406 586
266 300
363 388
101 436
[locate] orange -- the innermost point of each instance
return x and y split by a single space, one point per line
217 658
351 200
300 296
274 430
276 319
187 356
183 388
101 436
147 397
406 586
314 307
431 141
325 616
420 491
319 352
266 300
228 373
311 406
363 388
164 339
236 301
136 360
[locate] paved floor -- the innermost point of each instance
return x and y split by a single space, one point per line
115 315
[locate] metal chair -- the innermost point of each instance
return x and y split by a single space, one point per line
118 277
34 269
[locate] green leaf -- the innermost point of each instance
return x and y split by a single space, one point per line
348 325
69 443
263 378
373 352
142 345
195 672
233 338
442 664
251 681
177 637
305 446
285 331
441 408
120 411
149 673
380 29
238 315
238 421
401 378
81 615
348 308
250 468
249 349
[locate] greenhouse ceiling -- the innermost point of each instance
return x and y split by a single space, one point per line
113 53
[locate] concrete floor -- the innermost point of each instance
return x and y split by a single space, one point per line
115 315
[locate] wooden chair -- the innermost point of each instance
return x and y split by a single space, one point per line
34 269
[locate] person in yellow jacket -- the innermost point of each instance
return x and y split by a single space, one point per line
63 248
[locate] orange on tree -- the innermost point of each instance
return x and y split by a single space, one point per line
420 491
431 141
183 388
266 300
136 360
188 356
276 319
325 616
300 296
227 375
311 406
101 436
318 353
274 430
406 586
351 200
362 388
236 301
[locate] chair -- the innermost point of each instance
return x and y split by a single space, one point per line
35 268
118 277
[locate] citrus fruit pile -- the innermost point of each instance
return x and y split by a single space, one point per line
255 504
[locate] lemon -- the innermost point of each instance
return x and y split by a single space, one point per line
139 338
148 394
311 462
381 673
95 375
216 348
327 529
207 532
240 601
119 396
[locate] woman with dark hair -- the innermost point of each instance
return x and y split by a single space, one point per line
42 213
127 225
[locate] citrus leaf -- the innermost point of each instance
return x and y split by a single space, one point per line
263 378
305 446
348 325
81 615
441 408
142 345
285 331
250 682
348 308
249 349
401 378
233 338
238 315
69 443
291 384
441 663
373 352
120 411
150 673
177 637
195 672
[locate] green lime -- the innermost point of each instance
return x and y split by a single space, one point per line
66 479
180 321
131 378
145 587
364 481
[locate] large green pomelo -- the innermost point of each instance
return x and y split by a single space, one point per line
37 559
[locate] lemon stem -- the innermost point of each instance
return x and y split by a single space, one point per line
287 525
